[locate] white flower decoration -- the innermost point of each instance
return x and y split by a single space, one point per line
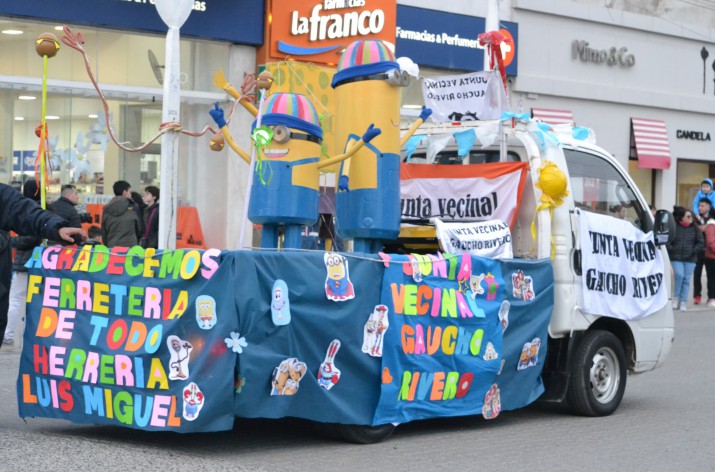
235 342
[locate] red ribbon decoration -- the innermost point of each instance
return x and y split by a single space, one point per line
492 40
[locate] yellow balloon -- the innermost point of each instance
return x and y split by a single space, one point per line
552 183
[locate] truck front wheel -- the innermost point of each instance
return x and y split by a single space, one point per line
598 375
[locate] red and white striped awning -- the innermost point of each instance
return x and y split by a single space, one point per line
553 117
650 138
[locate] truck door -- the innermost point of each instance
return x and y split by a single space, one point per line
598 185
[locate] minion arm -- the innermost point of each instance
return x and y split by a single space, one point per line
221 82
411 131
354 147
229 139
426 112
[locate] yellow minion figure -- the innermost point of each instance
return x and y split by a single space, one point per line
367 89
285 186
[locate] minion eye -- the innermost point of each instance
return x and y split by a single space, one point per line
281 134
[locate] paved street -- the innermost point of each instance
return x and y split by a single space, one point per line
665 423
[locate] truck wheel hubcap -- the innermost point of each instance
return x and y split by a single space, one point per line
604 375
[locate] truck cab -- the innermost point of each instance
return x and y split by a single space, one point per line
589 355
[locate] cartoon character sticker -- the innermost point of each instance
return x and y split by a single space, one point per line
193 401
280 304
523 286
206 311
328 374
180 351
529 354
492 403
416 271
492 286
374 331
286 377
338 286
504 315
490 353
475 285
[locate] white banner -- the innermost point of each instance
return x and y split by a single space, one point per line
467 97
490 239
461 193
623 270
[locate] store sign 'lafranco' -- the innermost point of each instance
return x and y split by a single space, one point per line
318 31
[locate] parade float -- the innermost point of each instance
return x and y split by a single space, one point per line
187 340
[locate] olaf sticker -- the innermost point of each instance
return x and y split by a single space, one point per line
280 304
205 311
193 401
180 351
328 374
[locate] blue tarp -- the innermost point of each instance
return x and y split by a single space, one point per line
269 334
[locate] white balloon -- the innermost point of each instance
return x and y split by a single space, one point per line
174 13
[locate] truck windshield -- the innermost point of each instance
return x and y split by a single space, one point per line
599 187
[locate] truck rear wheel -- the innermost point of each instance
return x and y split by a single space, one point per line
598 375
360 434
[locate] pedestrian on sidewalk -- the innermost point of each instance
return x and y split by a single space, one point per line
706 191
700 220
683 251
709 261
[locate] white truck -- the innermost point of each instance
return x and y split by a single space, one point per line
588 356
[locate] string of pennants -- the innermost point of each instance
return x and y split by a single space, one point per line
487 135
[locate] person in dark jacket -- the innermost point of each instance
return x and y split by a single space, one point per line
683 250
120 223
700 219
139 209
23 245
151 217
26 218
65 207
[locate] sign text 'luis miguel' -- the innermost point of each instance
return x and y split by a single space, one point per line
317 31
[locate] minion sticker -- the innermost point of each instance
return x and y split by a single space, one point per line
285 186
367 88
280 304
206 311
287 376
338 286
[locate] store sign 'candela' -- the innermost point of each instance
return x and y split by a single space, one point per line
693 135
316 31
612 57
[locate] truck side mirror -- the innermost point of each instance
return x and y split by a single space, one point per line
663 228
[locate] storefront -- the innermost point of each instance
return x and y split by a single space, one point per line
443 43
126 56
644 87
